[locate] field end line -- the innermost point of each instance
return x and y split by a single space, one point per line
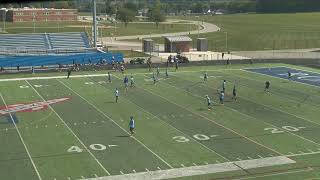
279 77
116 124
24 144
217 124
105 170
176 128
285 111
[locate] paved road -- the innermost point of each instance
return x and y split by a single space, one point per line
115 43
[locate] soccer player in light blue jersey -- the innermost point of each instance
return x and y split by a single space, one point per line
209 102
116 93
221 97
131 125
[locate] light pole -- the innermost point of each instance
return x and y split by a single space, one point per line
34 23
4 19
226 40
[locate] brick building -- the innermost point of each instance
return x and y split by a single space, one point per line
174 44
38 14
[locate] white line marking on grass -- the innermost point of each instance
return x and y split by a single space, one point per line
204 169
95 175
147 170
121 172
92 75
302 154
260 156
310 150
116 124
154 116
158 168
66 125
21 138
209 119
276 174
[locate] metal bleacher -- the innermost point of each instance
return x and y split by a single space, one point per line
46 41
50 49
68 40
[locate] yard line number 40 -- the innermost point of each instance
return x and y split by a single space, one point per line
200 137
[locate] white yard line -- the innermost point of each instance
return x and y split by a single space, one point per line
276 174
154 116
269 124
302 154
204 169
277 109
216 123
21 138
66 125
169 165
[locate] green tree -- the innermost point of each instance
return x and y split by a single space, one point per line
125 15
131 6
109 8
155 14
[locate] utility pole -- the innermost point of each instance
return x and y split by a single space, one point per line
94 11
226 41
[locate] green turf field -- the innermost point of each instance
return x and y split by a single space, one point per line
107 30
76 130
262 31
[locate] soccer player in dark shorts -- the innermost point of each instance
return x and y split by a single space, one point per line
69 73
109 77
205 77
266 89
234 93
289 75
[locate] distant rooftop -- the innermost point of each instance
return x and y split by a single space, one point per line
178 38
32 9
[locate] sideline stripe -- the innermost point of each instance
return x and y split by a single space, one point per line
93 75
169 165
201 170
24 144
105 170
